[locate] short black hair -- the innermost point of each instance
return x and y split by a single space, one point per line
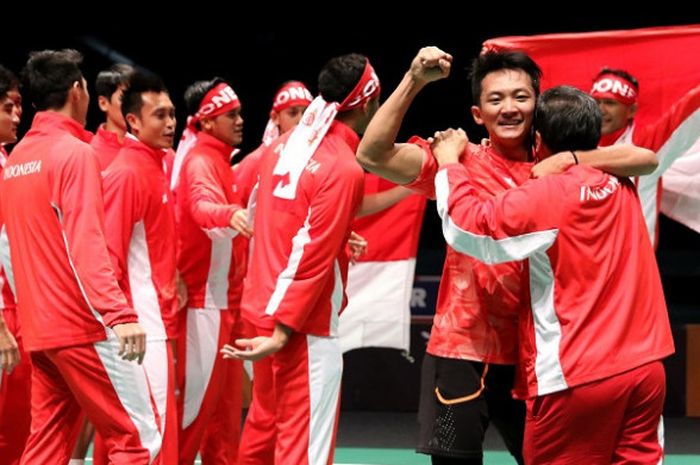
49 75
340 75
492 61
568 119
618 72
140 83
8 81
109 80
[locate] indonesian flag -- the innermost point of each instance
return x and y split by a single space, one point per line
380 284
664 60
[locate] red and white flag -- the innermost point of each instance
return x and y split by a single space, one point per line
663 59
380 284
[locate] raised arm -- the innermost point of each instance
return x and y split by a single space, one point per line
619 160
378 151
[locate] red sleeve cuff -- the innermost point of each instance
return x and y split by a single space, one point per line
126 315
424 182
290 324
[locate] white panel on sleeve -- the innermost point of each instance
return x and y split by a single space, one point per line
482 247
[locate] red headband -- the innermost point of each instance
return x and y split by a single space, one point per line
367 87
614 87
291 94
219 100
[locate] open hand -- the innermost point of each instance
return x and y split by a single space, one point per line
239 222
9 351
132 341
357 245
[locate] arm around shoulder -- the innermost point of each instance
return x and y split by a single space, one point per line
620 160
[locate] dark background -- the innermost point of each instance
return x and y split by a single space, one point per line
256 52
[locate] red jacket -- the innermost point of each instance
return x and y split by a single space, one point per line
140 231
205 203
476 316
246 174
597 308
51 201
298 268
106 145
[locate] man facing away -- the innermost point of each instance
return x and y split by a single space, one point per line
310 190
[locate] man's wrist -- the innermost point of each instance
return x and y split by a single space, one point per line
575 157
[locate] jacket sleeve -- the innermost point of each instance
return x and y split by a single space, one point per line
246 175
507 227
76 193
316 247
207 200
425 182
123 209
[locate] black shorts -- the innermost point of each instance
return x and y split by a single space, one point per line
454 425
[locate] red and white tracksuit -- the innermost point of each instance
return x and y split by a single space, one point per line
670 137
296 277
597 306
206 261
68 299
476 316
15 387
140 233
107 146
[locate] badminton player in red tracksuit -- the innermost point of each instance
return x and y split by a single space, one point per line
289 104
75 320
140 231
310 190
597 328
209 217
